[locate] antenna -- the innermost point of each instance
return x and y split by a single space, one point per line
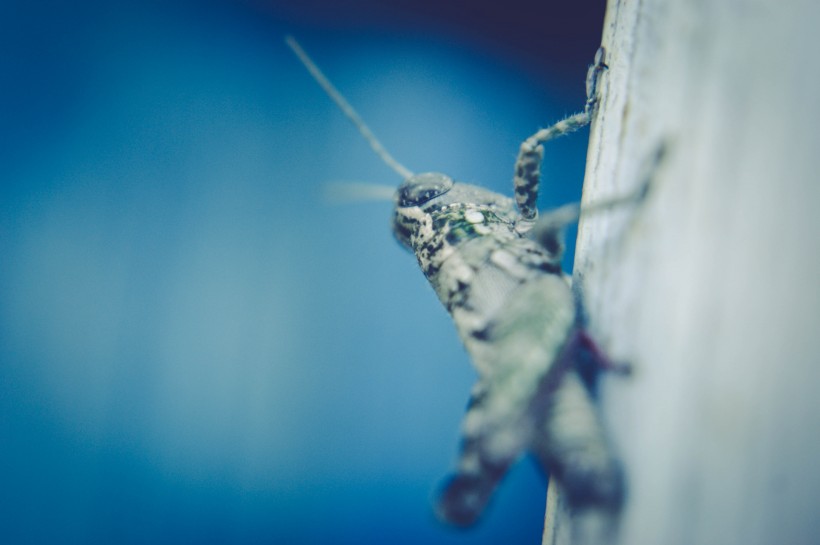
347 109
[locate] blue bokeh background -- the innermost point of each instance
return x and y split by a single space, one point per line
194 346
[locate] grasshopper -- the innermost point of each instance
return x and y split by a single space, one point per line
495 265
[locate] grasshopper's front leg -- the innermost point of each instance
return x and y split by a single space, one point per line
527 166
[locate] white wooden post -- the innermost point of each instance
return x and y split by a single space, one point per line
711 287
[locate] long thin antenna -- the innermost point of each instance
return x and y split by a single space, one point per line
348 110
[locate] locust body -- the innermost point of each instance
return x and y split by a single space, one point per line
495 265
515 313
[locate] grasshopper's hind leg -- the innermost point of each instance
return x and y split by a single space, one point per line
572 444
519 360
491 444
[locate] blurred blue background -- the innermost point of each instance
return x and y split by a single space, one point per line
194 346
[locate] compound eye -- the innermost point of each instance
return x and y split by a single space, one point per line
420 188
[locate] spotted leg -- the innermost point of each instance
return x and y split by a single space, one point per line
571 442
481 464
527 166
